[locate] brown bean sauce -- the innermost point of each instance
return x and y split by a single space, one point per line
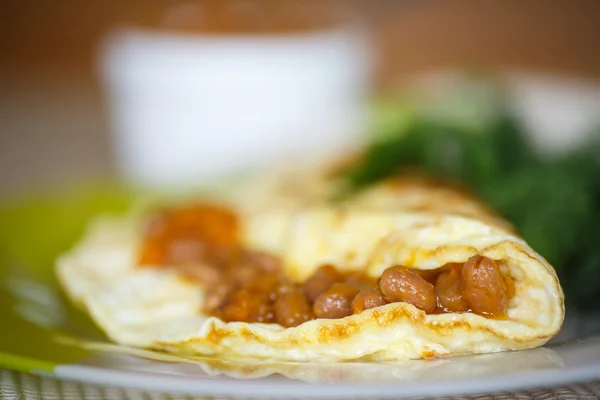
201 241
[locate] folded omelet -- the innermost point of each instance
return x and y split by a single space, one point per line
419 225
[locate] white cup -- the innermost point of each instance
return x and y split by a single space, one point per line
185 108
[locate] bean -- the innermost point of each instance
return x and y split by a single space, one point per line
263 261
185 249
321 280
214 224
267 285
272 286
366 299
216 296
246 306
207 274
400 284
483 287
284 288
293 309
447 290
243 274
265 313
335 302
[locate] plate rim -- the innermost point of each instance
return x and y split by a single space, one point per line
153 381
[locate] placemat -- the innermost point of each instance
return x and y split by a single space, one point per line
19 386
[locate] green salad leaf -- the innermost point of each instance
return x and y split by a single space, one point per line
553 202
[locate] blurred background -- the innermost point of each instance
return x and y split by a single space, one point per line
54 117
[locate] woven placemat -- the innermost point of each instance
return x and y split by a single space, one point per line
19 386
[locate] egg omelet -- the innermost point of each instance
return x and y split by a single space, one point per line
402 222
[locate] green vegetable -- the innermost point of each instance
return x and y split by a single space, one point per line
554 203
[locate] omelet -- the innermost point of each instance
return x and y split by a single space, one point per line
418 225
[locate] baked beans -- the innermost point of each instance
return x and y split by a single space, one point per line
335 302
483 287
366 299
249 286
321 280
401 284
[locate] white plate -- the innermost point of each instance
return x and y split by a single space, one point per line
543 367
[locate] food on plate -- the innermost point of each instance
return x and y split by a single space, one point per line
405 269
